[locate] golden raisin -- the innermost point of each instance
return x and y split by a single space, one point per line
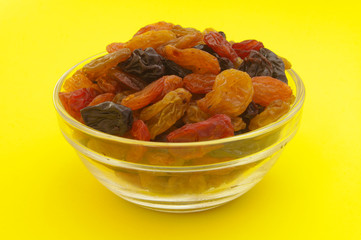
231 94
196 60
274 111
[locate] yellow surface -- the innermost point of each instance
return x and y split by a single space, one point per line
314 190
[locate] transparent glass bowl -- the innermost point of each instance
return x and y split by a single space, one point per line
180 177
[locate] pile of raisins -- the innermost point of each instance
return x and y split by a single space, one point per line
175 84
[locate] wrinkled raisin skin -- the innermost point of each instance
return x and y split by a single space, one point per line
199 83
256 65
274 111
108 117
74 101
277 64
224 63
196 60
164 114
231 94
153 92
149 65
216 127
99 66
220 45
140 131
244 48
267 89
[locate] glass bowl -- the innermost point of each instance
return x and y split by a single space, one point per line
180 177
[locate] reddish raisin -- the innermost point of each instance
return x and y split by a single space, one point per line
220 45
140 131
244 48
218 126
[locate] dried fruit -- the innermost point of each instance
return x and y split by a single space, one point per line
277 64
220 45
231 94
224 63
180 31
251 111
256 65
151 38
108 117
102 98
238 124
140 131
120 96
155 27
194 114
165 113
108 85
142 80
113 47
244 48
74 101
78 81
182 42
218 126
99 66
153 92
199 83
149 65
274 111
126 81
196 60
268 89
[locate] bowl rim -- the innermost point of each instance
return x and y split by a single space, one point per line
297 105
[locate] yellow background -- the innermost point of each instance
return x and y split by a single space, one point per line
313 191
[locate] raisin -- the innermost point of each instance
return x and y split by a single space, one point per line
77 81
140 131
108 85
274 111
224 63
120 96
252 110
220 45
180 31
162 115
244 48
268 89
256 65
194 114
99 66
238 124
108 117
102 98
153 92
146 64
126 81
231 94
113 47
216 127
186 41
149 65
277 64
171 68
74 101
196 60
170 83
199 83
151 38
155 27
